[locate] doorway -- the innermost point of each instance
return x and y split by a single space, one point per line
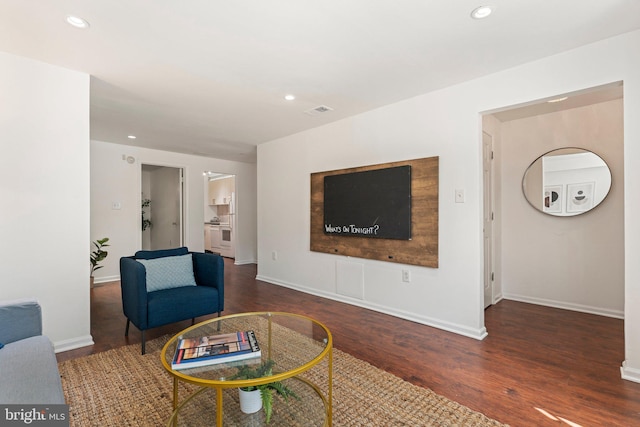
220 213
162 207
543 259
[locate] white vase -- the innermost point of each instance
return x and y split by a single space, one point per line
250 401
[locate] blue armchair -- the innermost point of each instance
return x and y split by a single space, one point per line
167 286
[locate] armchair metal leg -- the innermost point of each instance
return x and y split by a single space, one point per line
219 314
126 334
193 321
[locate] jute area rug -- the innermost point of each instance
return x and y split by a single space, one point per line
120 387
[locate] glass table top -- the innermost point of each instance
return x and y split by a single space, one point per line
292 342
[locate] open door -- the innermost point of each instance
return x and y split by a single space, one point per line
162 207
487 160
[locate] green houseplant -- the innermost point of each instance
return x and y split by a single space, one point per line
146 222
266 390
98 255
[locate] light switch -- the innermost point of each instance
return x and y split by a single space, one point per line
459 195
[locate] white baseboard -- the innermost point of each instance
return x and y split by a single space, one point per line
246 261
73 343
105 279
478 334
617 314
628 373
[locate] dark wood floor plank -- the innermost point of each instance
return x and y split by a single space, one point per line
562 362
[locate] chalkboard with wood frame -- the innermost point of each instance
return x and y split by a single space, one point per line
421 249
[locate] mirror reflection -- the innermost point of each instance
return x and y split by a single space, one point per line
567 182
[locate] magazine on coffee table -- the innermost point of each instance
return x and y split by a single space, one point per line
213 349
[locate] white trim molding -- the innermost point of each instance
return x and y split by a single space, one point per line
628 373
478 334
617 314
73 343
244 262
106 279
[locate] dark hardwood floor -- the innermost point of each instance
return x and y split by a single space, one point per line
535 361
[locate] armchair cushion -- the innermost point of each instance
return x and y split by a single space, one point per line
169 272
29 372
177 304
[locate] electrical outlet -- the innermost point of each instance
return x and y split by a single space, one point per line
406 276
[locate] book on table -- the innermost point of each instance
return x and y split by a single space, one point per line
209 350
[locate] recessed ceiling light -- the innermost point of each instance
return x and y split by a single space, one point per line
289 97
481 12
77 22
131 136
558 99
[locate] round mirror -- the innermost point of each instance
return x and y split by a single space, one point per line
566 182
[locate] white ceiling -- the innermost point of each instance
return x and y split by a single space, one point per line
208 77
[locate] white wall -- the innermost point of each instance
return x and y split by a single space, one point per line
568 262
114 179
445 123
448 297
44 179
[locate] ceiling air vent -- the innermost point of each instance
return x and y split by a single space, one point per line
318 110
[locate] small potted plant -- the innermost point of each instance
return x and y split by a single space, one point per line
98 255
146 222
264 391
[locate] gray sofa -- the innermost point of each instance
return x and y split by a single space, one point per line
28 365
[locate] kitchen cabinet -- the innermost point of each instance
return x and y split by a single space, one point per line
217 239
214 240
215 192
207 238
220 191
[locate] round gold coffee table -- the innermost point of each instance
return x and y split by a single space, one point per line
301 350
